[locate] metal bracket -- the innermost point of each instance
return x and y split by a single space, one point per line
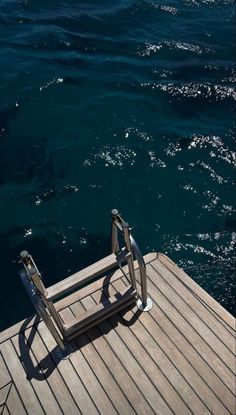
141 306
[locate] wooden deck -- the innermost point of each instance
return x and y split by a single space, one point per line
178 358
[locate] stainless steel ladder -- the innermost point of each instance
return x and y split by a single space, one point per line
44 298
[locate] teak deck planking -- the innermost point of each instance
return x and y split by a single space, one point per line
178 358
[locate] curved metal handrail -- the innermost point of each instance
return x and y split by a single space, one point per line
31 290
137 252
142 267
119 224
40 308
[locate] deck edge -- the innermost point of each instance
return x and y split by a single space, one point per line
199 291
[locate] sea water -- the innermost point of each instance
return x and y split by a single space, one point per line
116 104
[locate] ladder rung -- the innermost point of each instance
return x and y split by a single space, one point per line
86 275
99 313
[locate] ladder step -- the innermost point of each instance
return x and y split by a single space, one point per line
86 275
99 313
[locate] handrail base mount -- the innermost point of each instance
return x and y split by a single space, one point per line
143 307
64 354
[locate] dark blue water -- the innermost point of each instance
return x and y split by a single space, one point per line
126 104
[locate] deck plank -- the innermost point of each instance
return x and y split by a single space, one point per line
205 297
5 377
4 392
199 325
157 376
122 350
14 403
184 325
47 367
189 315
102 373
118 371
17 328
166 327
73 381
115 393
151 328
83 367
24 387
4 411
197 306
190 388
176 359
36 376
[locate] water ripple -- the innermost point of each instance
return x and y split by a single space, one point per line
149 49
118 103
191 90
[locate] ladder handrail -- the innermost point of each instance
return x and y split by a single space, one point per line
32 281
37 300
142 267
119 224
